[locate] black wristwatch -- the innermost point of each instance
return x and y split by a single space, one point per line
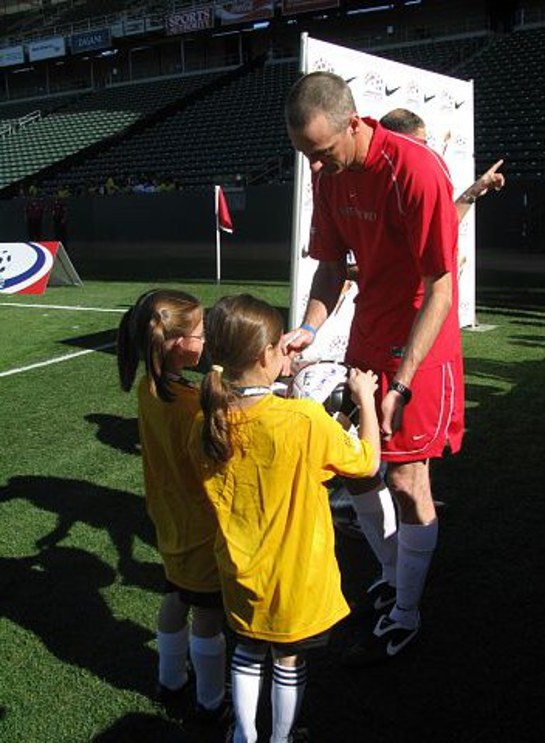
403 390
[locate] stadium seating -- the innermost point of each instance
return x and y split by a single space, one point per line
236 127
228 123
90 118
509 102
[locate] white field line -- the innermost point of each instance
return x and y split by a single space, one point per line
68 356
60 307
56 360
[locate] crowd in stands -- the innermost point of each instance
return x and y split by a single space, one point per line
137 184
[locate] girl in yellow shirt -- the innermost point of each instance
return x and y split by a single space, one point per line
264 462
164 329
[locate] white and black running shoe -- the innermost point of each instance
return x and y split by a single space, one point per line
387 640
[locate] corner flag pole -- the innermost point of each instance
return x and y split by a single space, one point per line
223 222
218 237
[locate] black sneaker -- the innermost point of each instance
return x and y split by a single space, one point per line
381 595
177 703
299 735
347 525
387 640
221 715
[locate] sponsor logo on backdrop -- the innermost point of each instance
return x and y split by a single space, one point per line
446 100
414 94
323 65
373 85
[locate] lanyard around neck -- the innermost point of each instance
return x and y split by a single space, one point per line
252 391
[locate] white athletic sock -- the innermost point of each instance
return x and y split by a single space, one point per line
172 647
416 545
208 658
377 518
247 672
287 691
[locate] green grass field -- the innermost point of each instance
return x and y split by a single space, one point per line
80 581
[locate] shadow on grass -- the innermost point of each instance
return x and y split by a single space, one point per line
142 728
511 293
476 673
121 514
117 432
56 595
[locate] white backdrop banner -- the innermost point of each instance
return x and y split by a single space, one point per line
379 85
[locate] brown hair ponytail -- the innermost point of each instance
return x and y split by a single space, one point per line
157 316
238 329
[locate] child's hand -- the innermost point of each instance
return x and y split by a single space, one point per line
363 386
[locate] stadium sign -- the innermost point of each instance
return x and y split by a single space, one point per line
134 26
195 19
88 41
12 55
245 10
49 48
302 6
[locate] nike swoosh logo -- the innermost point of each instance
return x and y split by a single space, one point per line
419 436
391 91
349 79
457 104
392 648
381 603
428 98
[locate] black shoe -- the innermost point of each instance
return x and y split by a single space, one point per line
387 640
348 526
177 703
299 735
381 595
221 715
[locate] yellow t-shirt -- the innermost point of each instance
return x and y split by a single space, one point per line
184 521
275 545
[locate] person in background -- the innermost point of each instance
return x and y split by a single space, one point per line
164 330
264 461
407 122
59 212
35 209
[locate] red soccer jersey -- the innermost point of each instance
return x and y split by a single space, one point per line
398 217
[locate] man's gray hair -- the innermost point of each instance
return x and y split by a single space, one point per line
319 92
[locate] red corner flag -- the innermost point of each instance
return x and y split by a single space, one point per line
223 218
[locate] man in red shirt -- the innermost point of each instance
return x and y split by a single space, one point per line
389 199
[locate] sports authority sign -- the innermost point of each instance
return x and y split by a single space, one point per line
27 268
379 85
